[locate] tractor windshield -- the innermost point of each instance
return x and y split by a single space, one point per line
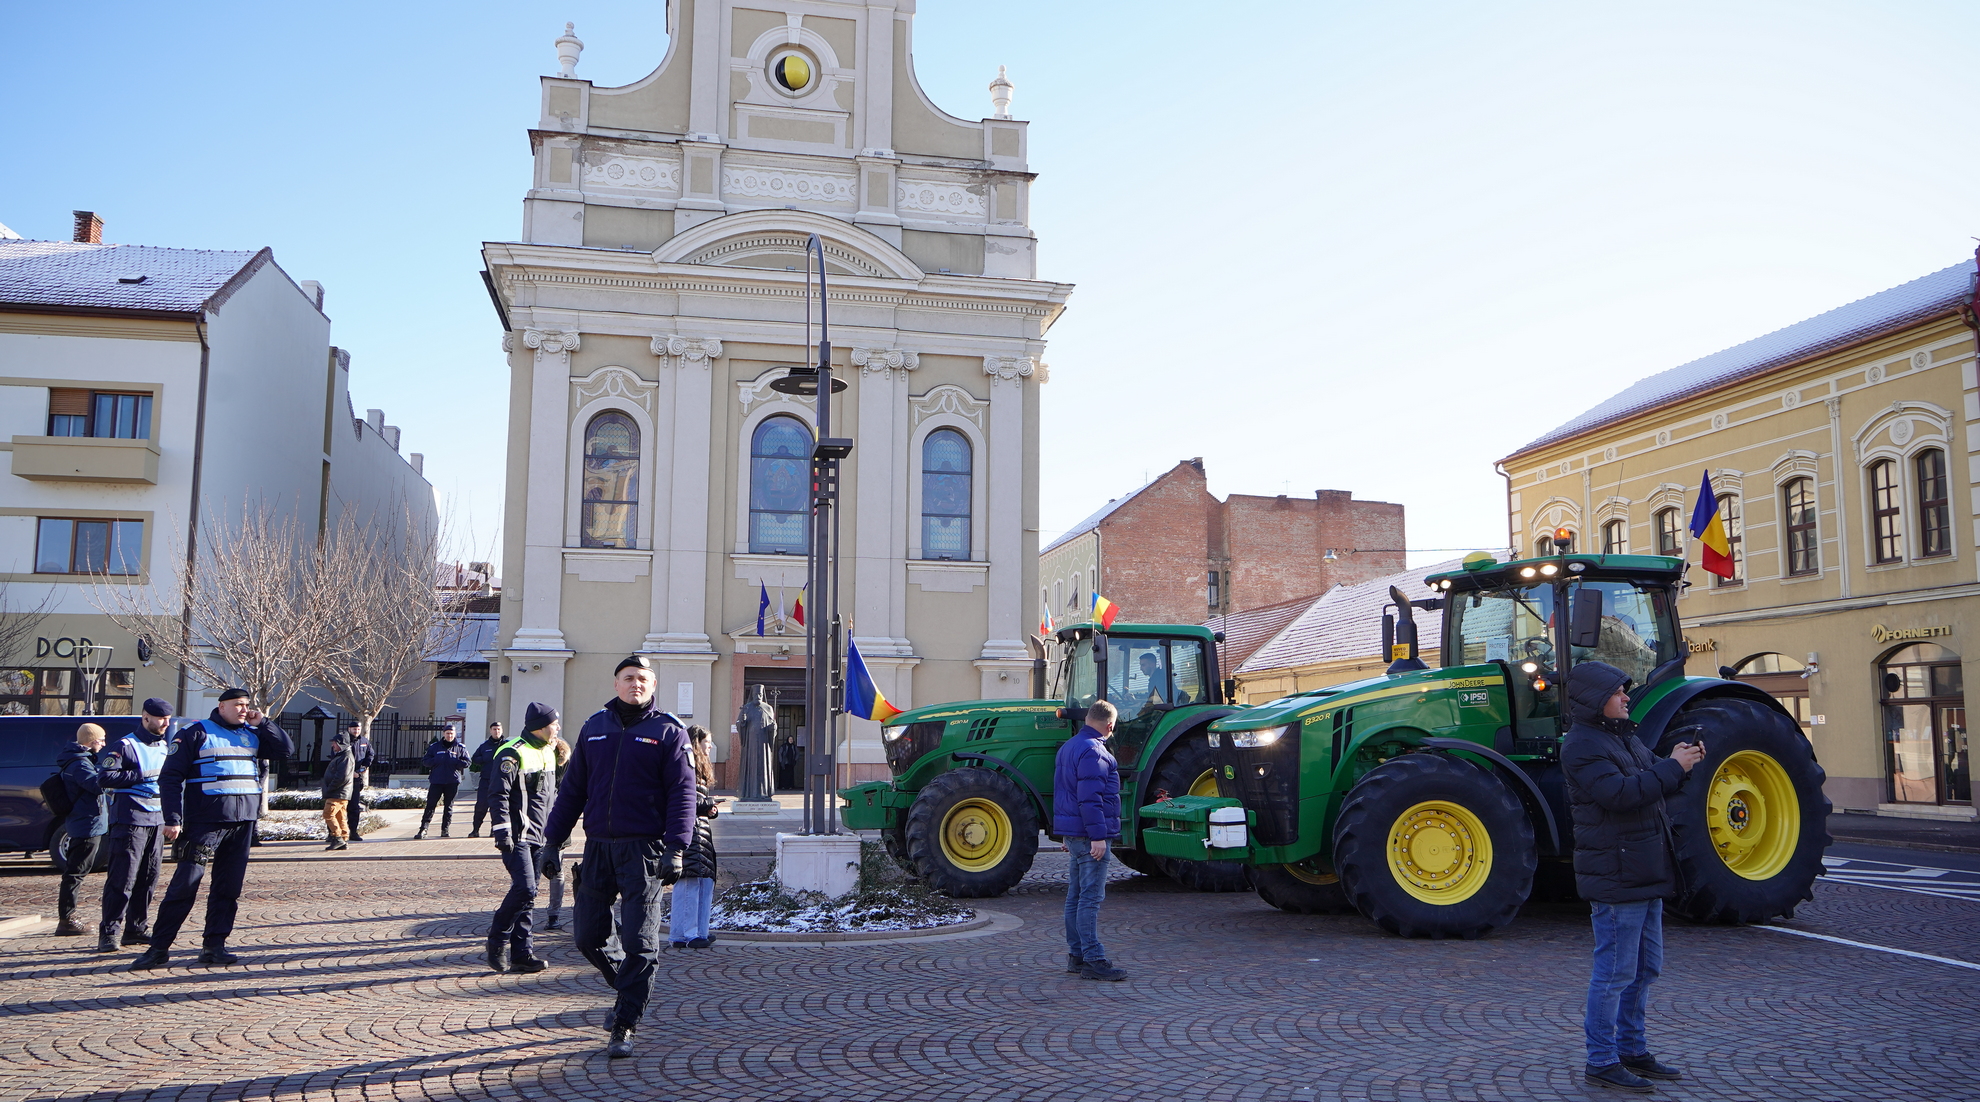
1517 626
1143 675
1514 626
1082 675
1639 629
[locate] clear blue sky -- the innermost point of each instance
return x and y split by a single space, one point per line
1365 247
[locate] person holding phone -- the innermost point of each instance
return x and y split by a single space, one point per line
1625 865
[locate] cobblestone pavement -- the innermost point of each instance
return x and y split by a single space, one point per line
360 979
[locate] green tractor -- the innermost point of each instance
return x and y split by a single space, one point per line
1430 800
972 780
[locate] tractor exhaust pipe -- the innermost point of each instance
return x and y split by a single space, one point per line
1402 649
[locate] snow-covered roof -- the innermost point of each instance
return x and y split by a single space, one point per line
477 635
1346 622
1244 632
1902 305
145 278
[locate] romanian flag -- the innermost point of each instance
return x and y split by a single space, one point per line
863 698
797 613
1045 623
1104 611
1710 530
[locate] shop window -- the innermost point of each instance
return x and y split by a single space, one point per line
611 482
1730 516
1781 677
1885 497
64 691
945 494
1798 506
1934 511
67 545
779 487
1926 750
1615 537
1667 533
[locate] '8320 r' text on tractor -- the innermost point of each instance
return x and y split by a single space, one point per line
972 781
1429 799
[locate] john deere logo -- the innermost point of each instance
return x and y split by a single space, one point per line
1230 774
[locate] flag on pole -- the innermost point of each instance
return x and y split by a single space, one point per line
1710 529
1045 625
1104 611
762 605
863 698
798 612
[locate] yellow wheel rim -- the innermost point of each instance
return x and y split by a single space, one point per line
1311 872
1752 815
976 835
1204 785
1440 852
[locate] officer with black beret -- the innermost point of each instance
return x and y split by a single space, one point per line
129 769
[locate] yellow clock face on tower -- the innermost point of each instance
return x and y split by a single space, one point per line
792 71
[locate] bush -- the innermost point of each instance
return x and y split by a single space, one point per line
886 899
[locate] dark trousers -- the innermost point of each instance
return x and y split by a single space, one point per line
224 846
512 917
354 811
481 802
135 853
625 870
443 795
78 858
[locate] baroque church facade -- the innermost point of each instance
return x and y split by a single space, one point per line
656 485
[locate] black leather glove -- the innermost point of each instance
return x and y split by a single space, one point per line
553 864
672 863
503 843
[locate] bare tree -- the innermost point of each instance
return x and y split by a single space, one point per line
19 627
254 612
389 616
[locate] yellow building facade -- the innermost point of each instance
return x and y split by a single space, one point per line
1844 453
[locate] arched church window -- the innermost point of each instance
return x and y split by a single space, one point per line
779 487
611 482
945 495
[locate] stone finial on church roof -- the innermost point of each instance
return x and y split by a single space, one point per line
568 49
1000 94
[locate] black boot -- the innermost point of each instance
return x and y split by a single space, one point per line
1101 970
218 954
106 943
620 1046
556 921
528 964
446 832
1647 1066
67 926
1615 1077
1073 964
420 833
498 955
137 937
154 957
475 833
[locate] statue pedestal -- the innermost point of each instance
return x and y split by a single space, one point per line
754 807
827 863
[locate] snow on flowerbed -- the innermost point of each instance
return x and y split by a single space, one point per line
306 826
886 900
388 798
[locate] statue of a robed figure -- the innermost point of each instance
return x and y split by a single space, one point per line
757 724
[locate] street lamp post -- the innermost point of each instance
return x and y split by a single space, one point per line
822 671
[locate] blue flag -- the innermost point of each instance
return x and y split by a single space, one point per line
762 605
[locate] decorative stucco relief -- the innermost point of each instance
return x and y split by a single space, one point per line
632 172
950 399
687 351
751 391
550 342
617 382
879 361
1009 369
776 184
940 198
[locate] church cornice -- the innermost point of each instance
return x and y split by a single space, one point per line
1048 307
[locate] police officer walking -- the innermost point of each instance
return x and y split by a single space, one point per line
631 777
129 771
362 760
445 761
210 787
521 783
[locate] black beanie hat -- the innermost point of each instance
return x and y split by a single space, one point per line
156 707
635 660
538 716
234 694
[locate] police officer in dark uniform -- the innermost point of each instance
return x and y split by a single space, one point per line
211 789
479 763
522 782
129 770
631 777
363 758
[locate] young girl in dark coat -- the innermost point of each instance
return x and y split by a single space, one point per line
695 892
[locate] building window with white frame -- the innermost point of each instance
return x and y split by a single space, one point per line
69 545
1730 517
1934 510
945 495
779 487
1803 541
1615 537
1885 513
1667 533
610 490
106 414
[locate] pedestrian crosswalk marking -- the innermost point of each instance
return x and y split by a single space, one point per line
1920 880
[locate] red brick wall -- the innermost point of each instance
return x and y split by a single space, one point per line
1157 550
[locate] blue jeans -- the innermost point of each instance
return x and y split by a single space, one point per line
693 896
1629 955
1085 888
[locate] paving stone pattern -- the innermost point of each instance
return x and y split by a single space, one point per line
360 979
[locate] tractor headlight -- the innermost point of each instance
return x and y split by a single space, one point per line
892 734
1550 570
1527 572
1216 739
1265 736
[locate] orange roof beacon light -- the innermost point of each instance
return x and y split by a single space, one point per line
1563 540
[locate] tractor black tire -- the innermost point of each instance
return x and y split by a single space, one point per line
1187 764
1490 886
1302 890
971 833
1146 864
894 841
1766 880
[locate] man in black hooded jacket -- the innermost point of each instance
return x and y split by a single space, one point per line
1624 865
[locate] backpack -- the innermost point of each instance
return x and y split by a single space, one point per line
55 794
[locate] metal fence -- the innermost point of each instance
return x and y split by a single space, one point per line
398 742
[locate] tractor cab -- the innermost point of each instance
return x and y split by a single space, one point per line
1144 670
1536 618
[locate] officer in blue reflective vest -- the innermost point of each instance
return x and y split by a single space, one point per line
129 771
211 789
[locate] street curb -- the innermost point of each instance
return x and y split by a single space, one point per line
985 922
1934 847
18 924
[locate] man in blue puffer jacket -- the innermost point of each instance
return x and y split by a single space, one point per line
1086 812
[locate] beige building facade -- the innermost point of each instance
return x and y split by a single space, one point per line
1845 454
657 484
